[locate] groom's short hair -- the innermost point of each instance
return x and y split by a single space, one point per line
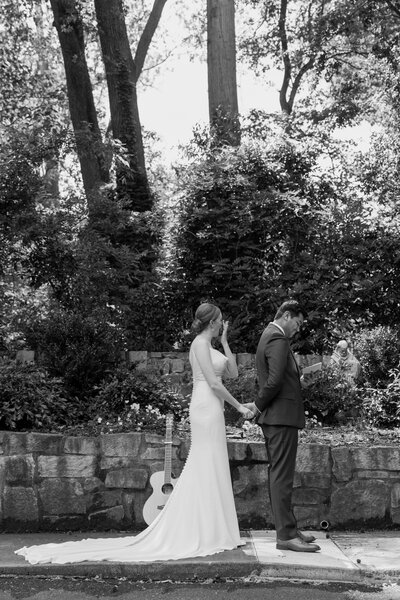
293 306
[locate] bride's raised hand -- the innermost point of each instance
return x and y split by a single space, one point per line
224 335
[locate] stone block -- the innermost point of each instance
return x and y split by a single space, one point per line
120 444
20 504
81 445
3 440
133 505
251 480
359 500
368 474
25 356
154 438
395 515
3 462
19 470
258 451
237 450
313 458
138 357
127 478
108 518
157 454
395 496
254 512
27 443
117 462
307 516
66 466
62 496
103 499
165 366
341 464
17 443
312 480
45 443
176 468
93 484
177 365
184 449
304 496
156 467
377 458
64 522
128 502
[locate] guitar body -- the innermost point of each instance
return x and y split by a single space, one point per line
161 492
161 482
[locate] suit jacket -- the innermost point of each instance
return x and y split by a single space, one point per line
279 398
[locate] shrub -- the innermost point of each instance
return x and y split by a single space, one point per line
78 348
31 399
378 351
331 397
382 406
133 400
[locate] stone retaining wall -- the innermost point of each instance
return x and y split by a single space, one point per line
50 481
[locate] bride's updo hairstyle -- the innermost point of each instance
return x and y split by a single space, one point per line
204 314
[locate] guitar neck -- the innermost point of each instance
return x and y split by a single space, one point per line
168 452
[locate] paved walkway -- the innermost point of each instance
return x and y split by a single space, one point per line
351 557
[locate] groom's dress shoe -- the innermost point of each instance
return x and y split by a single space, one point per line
306 537
297 545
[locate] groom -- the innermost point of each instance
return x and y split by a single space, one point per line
280 414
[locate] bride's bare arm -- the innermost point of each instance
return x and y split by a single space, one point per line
231 368
201 350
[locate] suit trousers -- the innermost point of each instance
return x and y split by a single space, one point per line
281 443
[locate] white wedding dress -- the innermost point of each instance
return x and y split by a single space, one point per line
199 518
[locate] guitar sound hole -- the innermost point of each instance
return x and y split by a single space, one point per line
167 488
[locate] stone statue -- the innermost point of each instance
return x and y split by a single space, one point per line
346 361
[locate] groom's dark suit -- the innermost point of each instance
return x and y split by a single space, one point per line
282 415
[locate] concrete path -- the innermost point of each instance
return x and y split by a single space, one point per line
345 557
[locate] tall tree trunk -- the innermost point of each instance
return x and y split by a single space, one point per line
122 73
51 192
90 148
221 64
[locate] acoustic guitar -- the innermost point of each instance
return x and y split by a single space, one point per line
162 482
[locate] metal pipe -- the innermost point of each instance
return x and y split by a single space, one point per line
324 525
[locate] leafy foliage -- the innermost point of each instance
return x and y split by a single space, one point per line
331 398
378 350
265 222
77 348
134 400
31 399
382 405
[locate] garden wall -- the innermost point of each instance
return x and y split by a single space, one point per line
51 481
176 364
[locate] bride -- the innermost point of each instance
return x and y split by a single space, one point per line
199 518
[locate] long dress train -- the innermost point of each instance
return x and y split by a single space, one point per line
199 518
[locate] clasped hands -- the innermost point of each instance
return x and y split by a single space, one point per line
248 410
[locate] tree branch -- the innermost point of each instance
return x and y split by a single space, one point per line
302 71
285 57
394 8
147 35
